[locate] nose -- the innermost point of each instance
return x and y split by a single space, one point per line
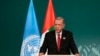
57 25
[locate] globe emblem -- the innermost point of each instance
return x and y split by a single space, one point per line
30 46
90 50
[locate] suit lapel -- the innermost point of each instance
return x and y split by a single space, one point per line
54 39
62 38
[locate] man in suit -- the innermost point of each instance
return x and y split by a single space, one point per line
59 41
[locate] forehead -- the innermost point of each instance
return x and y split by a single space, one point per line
59 21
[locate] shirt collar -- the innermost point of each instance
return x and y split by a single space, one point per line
59 33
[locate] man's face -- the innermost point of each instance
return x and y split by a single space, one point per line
59 25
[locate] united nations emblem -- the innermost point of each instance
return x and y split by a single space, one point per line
30 46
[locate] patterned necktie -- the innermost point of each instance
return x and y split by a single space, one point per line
58 42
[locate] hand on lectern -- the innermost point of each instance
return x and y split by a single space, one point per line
41 54
77 55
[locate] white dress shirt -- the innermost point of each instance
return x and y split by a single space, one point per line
57 35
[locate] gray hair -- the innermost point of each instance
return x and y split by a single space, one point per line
60 18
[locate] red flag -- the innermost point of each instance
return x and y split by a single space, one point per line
49 20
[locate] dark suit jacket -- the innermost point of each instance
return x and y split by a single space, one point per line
67 44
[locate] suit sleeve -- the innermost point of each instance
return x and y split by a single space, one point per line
73 45
44 45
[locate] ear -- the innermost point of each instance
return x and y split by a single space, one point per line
63 25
